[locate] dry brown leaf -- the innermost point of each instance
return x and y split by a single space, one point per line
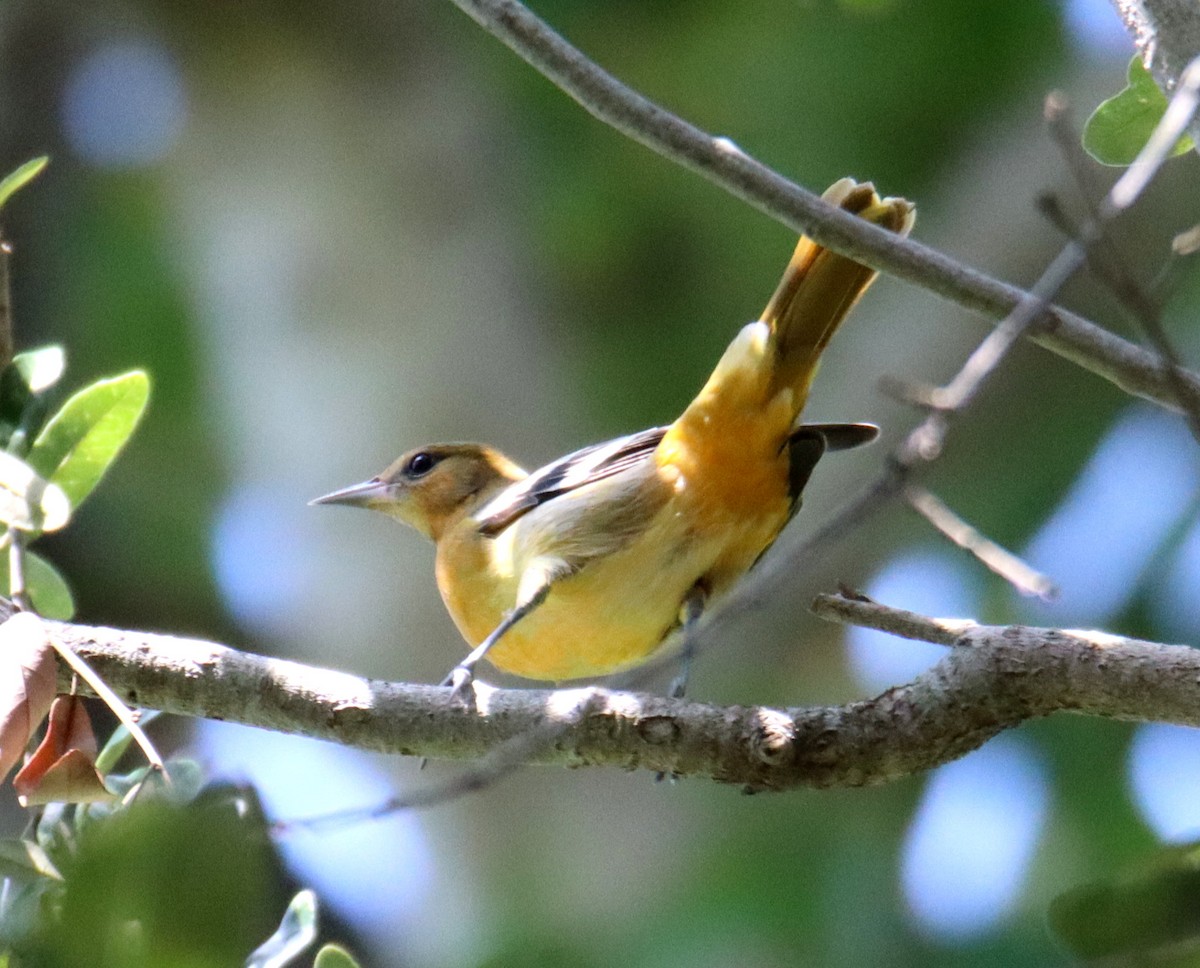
63 767
72 778
27 684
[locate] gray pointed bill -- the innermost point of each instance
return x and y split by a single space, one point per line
357 495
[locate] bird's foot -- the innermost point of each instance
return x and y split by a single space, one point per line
462 685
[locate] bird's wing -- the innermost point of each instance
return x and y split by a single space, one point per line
576 470
808 443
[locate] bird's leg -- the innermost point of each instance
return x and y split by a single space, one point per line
463 674
693 608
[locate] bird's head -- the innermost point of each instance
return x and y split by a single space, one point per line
431 487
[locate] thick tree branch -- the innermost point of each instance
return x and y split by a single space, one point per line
992 678
1134 369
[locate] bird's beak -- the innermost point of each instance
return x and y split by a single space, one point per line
362 495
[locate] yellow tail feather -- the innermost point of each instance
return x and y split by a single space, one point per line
819 287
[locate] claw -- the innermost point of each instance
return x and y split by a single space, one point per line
462 683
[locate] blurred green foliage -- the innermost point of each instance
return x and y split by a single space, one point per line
1148 912
167 883
50 462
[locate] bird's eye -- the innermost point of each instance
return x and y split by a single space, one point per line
420 464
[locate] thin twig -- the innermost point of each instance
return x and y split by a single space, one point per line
1099 248
17 589
124 714
982 363
895 621
1130 367
1000 560
491 768
925 442
6 326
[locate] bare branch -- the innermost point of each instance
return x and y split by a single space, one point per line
1023 577
995 678
922 445
1128 366
859 610
1099 248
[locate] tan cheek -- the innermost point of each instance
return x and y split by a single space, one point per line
433 504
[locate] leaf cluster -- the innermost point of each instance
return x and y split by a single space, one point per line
51 461
174 873
145 868
51 458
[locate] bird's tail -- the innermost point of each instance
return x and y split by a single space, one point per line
819 287
748 407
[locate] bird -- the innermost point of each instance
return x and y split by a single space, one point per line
590 564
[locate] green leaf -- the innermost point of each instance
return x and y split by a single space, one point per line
1120 127
80 442
49 590
187 780
23 403
193 879
297 931
122 783
28 502
40 368
29 373
333 956
187 777
21 177
118 743
25 860
25 911
1146 909
53 831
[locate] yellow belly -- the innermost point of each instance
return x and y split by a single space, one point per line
617 610
611 615
720 485
593 624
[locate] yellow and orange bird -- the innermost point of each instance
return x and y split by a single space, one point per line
584 567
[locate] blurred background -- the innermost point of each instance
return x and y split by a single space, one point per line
332 231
